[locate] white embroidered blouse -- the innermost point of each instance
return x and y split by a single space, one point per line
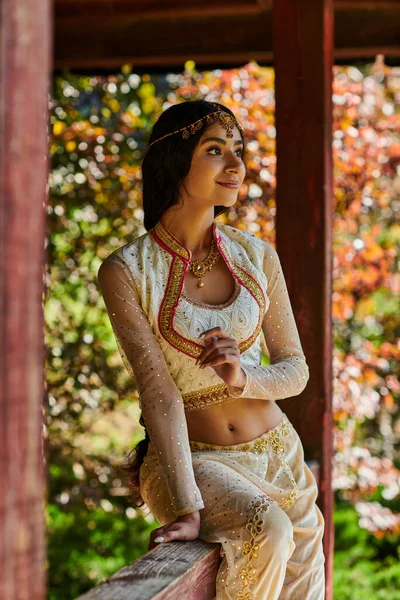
156 326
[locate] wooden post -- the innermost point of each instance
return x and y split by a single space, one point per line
25 46
303 60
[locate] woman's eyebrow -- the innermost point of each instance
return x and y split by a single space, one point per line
217 139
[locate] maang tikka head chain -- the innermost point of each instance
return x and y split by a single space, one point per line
225 119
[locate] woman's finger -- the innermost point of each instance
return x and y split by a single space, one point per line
168 534
218 331
228 345
157 534
221 359
213 346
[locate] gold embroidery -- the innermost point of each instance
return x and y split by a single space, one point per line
288 470
285 427
270 440
165 316
255 524
171 242
277 445
255 289
209 396
181 256
289 500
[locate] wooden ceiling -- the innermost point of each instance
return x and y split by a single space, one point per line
155 35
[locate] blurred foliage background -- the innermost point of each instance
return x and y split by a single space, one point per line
100 126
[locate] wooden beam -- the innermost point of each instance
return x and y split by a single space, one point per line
155 10
365 4
25 51
353 54
177 8
92 39
169 571
303 51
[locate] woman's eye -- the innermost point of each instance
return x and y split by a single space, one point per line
240 150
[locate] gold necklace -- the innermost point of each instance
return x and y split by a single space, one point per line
200 267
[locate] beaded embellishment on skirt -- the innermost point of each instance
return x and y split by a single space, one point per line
255 524
246 488
272 440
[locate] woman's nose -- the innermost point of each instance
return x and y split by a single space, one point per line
235 162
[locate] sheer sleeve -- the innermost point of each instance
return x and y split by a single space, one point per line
288 372
160 401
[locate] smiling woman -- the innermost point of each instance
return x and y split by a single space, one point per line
220 460
182 133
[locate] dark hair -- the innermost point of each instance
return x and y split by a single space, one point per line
164 167
132 465
167 162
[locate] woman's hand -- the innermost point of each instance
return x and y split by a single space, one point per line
186 527
223 355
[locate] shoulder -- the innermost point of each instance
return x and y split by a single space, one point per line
235 233
134 244
240 234
261 253
116 262
137 244
247 239
112 272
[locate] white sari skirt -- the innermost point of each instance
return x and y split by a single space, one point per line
260 506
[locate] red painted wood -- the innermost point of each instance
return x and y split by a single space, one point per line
25 50
151 9
109 33
303 60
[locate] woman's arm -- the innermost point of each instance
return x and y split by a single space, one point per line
160 401
288 373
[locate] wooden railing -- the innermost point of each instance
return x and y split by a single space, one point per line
172 571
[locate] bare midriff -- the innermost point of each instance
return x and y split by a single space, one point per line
241 419
234 422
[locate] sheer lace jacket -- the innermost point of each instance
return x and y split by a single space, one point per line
156 326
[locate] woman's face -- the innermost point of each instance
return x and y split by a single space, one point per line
214 162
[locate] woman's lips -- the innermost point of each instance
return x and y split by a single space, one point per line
231 186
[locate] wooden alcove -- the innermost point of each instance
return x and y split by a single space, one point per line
302 39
